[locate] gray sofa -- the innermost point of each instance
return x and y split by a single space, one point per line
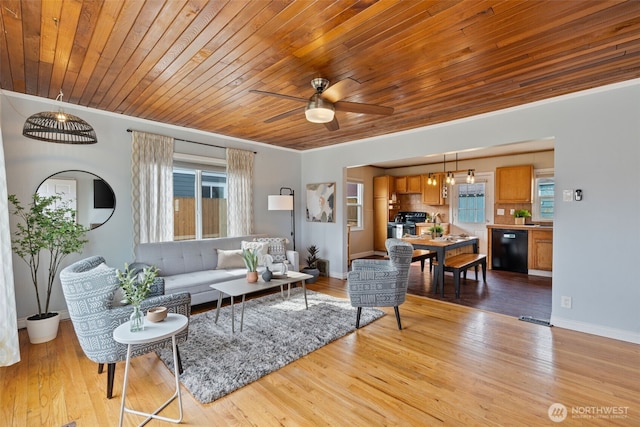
192 265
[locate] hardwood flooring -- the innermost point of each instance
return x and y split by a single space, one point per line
513 294
450 365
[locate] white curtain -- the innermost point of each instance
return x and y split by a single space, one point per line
9 345
239 192
152 187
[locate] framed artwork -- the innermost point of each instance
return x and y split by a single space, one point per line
321 202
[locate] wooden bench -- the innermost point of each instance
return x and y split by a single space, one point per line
422 255
458 264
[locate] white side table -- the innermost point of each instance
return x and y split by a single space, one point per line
152 332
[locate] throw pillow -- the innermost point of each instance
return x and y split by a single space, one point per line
262 249
277 247
230 259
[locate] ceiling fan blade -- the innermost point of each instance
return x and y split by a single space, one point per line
340 90
333 124
285 115
279 95
354 107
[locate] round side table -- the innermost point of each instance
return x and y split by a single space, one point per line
169 327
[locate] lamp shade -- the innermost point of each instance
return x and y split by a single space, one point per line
280 203
59 127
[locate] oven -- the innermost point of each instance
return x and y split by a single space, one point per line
405 223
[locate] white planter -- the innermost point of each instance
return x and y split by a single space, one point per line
44 330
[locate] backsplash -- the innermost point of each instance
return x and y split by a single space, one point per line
413 202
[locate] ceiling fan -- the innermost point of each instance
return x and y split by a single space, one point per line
323 104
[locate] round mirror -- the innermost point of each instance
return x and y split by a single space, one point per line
91 196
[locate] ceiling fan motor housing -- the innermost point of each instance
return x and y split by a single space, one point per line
320 84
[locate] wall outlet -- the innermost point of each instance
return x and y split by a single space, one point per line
567 195
512 211
500 211
565 302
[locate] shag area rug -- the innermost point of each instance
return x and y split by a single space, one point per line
276 332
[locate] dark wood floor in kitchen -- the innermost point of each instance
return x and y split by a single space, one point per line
513 294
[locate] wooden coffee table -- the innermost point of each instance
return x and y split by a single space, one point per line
240 287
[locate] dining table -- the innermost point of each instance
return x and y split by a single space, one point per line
440 245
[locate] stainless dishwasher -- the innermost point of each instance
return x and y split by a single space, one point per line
509 250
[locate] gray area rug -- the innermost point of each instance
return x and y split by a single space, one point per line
276 332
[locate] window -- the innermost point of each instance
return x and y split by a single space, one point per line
471 202
543 198
199 202
354 204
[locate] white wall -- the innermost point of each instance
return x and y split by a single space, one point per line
29 162
597 149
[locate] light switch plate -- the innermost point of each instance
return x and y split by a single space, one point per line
500 211
567 195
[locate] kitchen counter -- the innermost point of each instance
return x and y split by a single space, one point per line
538 249
521 227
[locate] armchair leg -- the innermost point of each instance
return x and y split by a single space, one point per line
111 371
358 317
398 317
100 367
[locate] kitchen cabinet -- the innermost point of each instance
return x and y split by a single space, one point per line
408 184
432 194
514 184
383 199
384 186
541 250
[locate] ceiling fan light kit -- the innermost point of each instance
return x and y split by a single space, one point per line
318 110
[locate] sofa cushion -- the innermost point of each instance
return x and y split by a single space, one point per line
277 247
199 281
230 259
262 248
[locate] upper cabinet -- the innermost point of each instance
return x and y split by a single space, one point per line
384 186
432 194
408 184
514 184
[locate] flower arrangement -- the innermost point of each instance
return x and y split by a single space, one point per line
136 287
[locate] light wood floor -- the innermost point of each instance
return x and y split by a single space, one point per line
450 365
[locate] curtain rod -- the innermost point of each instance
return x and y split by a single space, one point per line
193 142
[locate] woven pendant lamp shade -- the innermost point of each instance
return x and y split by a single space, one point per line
59 127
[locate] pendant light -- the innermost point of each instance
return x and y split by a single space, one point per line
59 127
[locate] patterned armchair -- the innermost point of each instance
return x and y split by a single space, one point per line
381 283
89 287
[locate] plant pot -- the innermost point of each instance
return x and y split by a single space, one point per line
43 330
520 221
252 276
312 271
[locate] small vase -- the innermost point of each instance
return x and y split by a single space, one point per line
252 276
267 275
137 319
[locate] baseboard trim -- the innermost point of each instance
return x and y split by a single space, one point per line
589 328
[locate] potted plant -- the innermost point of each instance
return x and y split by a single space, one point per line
250 257
47 224
436 230
135 289
521 215
312 263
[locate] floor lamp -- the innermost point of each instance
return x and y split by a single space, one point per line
285 202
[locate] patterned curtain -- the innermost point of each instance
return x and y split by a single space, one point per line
9 345
152 187
239 192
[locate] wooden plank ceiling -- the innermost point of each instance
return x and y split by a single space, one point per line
193 63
